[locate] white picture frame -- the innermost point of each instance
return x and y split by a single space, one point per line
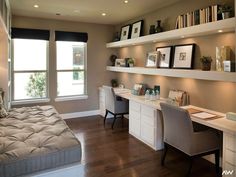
152 59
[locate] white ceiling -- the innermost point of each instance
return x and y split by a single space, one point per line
87 10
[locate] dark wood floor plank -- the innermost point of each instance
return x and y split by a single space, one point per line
115 153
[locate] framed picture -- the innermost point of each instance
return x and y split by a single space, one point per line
137 28
165 56
183 56
125 32
152 59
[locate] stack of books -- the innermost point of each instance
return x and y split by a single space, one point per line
200 16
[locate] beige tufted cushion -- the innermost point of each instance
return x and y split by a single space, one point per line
34 139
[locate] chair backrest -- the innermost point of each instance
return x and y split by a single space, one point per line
109 98
178 128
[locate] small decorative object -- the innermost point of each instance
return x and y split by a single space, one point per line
114 83
125 32
158 27
130 62
113 59
165 56
120 62
152 59
157 88
225 10
222 54
116 37
152 29
183 56
138 89
206 63
231 116
229 66
137 28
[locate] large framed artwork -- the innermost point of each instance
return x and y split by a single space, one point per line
183 56
137 28
125 32
165 56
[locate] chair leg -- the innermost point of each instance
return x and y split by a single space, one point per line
104 121
217 161
190 166
122 117
164 154
113 121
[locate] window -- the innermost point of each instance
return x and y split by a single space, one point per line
71 64
30 69
71 68
30 56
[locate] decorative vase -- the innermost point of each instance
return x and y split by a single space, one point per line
158 28
206 66
152 29
225 15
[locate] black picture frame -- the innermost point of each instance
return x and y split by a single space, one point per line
125 32
183 56
165 56
137 29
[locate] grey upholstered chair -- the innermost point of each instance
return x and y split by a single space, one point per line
114 105
179 133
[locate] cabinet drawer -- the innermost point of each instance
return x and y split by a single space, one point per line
230 170
230 142
148 111
134 106
230 156
134 115
148 134
150 120
134 127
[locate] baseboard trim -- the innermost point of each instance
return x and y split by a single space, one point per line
80 114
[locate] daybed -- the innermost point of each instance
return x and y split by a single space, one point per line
34 139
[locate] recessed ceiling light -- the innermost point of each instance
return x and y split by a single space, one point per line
76 11
220 31
126 1
104 14
36 6
182 36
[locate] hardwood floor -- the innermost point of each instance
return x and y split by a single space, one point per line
115 153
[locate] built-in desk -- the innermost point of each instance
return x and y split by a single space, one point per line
145 123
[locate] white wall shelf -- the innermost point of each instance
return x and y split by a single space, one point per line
227 25
179 73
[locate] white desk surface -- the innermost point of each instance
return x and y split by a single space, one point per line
221 123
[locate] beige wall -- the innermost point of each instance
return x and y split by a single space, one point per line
220 96
97 58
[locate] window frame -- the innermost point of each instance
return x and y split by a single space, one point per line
29 100
85 70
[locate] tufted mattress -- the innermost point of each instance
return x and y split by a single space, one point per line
34 139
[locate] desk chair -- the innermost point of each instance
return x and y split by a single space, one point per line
114 105
179 133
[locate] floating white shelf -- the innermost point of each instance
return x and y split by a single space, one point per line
227 25
179 73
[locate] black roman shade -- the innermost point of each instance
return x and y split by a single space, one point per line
23 33
71 36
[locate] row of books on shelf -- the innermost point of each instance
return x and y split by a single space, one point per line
200 16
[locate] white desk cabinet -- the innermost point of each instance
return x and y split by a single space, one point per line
145 123
229 154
